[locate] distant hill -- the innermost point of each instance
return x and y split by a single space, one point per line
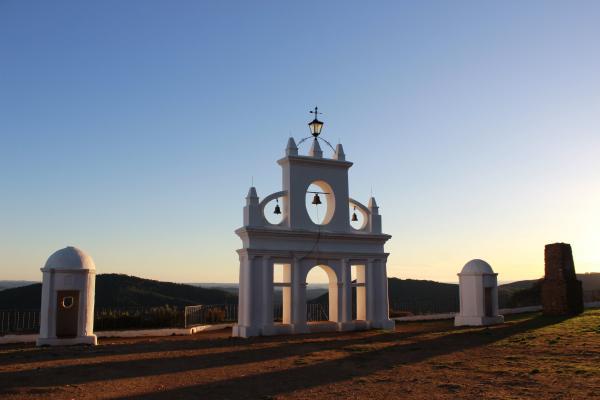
417 296
590 280
115 290
24 297
313 290
14 284
420 296
528 293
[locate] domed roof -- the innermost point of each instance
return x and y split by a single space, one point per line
70 258
477 267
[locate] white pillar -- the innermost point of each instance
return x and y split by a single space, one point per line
335 291
46 326
250 300
267 291
383 320
385 314
299 298
346 289
245 299
370 285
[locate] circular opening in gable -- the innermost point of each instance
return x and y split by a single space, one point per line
361 217
322 213
269 211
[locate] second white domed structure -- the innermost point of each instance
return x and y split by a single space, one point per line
478 285
68 289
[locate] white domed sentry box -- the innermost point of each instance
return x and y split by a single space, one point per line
478 285
68 287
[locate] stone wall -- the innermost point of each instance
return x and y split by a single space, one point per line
562 293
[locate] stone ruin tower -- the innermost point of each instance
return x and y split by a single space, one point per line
562 293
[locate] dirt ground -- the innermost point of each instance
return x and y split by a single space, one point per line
530 356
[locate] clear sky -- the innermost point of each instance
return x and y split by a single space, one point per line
133 129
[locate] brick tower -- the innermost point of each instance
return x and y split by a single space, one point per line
562 293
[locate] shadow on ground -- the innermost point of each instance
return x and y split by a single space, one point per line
401 348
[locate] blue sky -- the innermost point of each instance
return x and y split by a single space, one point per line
133 129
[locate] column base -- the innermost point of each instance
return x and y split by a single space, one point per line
90 339
345 326
301 327
461 320
244 331
385 324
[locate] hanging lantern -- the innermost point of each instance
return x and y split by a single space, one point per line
316 200
277 209
354 216
315 125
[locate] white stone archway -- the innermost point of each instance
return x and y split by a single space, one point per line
299 244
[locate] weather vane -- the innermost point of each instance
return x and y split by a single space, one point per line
316 112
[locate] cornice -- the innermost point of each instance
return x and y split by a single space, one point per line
314 160
246 231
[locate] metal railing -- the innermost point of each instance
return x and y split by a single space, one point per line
19 321
277 312
28 321
209 314
223 313
122 318
317 312
424 307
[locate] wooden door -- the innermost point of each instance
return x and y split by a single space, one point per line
67 313
489 309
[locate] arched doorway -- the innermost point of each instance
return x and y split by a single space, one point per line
323 306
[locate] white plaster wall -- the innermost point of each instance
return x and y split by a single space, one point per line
298 173
472 300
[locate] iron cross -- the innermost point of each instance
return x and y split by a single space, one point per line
316 112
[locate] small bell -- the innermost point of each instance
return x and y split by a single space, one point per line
354 217
277 209
316 200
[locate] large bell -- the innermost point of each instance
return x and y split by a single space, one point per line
316 200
